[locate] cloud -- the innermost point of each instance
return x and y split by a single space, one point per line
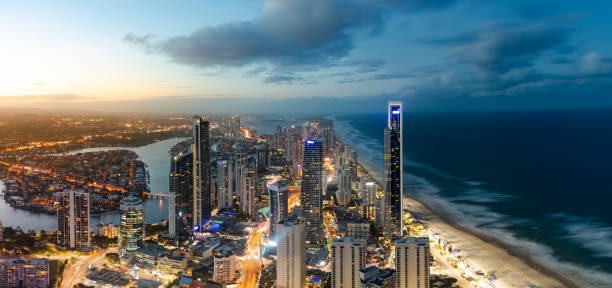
283 79
314 33
594 63
48 98
500 51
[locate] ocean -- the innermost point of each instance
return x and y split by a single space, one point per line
539 180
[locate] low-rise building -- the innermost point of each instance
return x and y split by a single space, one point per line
17 272
373 277
224 268
171 264
148 255
109 230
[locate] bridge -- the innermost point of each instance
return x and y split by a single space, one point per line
155 195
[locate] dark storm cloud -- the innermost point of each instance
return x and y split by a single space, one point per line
503 50
288 33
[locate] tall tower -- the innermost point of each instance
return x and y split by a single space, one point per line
393 172
181 192
310 197
247 197
412 262
348 256
368 196
291 254
132 225
72 219
224 185
201 173
278 204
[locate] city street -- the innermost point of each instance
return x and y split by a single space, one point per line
77 271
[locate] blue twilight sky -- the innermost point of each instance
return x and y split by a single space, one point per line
305 56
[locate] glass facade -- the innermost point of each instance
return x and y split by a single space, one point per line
310 196
132 225
393 172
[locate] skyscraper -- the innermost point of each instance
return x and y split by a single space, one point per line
291 254
412 262
180 198
201 172
393 172
348 256
310 197
131 225
225 186
72 219
278 204
247 197
368 196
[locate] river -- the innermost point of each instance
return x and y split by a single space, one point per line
157 158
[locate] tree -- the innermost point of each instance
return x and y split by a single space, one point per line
112 257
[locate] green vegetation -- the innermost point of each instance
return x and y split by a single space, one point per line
155 229
112 257
56 271
103 241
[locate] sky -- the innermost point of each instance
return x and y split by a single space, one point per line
318 56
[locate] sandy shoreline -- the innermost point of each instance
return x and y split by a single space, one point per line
512 268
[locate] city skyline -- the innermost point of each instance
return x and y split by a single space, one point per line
433 55
305 144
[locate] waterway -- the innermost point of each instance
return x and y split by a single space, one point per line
157 158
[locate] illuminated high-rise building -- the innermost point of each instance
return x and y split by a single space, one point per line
279 210
368 197
72 219
180 198
291 254
131 225
393 172
412 262
310 196
201 173
348 256
247 196
225 187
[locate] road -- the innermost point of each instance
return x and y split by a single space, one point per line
75 272
250 264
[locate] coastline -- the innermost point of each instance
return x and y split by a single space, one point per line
512 267
483 249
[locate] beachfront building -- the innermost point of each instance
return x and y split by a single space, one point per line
180 197
17 272
393 172
279 209
291 254
201 173
72 219
131 226
412 262
310 197
348 257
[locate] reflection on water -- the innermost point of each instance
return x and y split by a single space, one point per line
157 158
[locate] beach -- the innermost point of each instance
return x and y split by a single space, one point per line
484 252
